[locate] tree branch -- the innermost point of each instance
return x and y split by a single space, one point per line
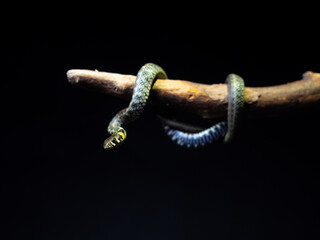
206 101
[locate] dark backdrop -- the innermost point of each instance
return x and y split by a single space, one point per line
57 182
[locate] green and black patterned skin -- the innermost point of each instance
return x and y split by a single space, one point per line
145 78
144 81
235 104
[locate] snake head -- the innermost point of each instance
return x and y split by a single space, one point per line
115 139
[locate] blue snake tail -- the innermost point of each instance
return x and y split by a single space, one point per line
194 140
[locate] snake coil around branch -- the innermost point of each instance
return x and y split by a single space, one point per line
147 75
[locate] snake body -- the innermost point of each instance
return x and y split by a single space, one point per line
145 78
235 103
202 138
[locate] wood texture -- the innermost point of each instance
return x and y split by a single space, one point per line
207 101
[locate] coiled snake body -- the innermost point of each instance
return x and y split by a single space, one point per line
145 78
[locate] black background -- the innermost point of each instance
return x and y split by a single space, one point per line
57 182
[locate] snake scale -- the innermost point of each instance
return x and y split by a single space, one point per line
146 76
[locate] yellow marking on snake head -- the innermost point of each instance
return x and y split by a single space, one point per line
123 135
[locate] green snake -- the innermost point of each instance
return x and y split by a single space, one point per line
146 76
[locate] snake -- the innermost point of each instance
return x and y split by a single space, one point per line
146 77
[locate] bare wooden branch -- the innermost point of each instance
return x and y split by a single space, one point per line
207 101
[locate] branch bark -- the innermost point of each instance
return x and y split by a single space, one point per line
207 101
